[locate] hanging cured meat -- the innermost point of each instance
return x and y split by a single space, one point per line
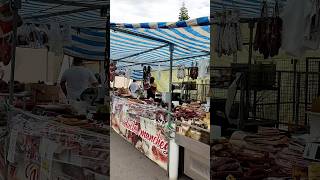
6 50
112 71
6 28
193 72
146 77
228 39
268 33
6 19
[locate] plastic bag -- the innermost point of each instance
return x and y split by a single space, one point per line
181 72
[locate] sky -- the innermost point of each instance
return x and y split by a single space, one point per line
140 11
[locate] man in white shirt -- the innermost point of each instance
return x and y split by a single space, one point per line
134 87
77 79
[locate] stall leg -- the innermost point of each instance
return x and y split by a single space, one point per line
173 167
15 5
173 160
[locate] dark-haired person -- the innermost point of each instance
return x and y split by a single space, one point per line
77 79
151 92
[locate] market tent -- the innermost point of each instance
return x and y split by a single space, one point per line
75 13
248 8
135 45
79 13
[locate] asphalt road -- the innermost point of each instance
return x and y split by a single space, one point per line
128 163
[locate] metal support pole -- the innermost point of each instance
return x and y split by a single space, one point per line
294 90
278 98
173 150
318 79
171 49
251 27
15 5
13 60
107 100
47 65
297 101
306 93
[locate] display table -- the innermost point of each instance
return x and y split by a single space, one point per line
144 126
196 157
41 148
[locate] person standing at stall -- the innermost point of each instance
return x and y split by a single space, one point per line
134 88
76 80
151 91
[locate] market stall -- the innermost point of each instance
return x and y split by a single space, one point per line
263 92
188 48
45 138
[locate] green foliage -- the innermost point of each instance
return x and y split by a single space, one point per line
183 15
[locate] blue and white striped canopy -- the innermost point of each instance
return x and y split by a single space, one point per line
191 38
248 8
192 43
78 13
202 21
137 75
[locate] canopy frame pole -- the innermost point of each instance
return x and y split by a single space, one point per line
62 13
139 35
15 4
47 65
173 148
68 3
137 54
14 44
107 85
156 62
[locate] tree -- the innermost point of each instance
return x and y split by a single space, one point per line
183 15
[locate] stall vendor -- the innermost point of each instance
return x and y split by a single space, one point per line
134 88
77 79
151 92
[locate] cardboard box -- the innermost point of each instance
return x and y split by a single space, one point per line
45 93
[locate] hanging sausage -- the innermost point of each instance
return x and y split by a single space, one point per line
146 77
112 70
268 33
6 30
193 71
6 27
